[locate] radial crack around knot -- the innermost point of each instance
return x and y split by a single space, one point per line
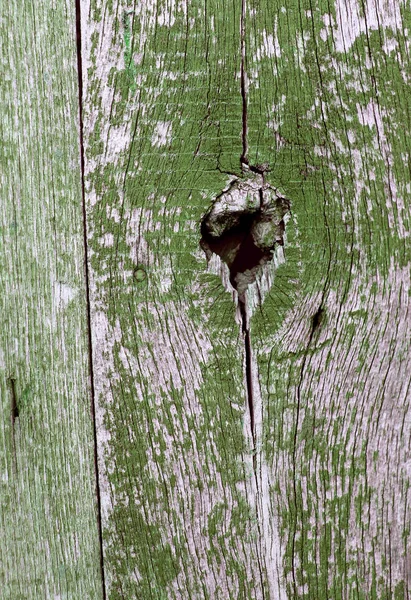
243 227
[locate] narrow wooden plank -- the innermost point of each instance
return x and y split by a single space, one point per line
49 546
163 136
328 110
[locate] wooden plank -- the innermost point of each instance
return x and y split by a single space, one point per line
251 445
163 120
328 108
49 545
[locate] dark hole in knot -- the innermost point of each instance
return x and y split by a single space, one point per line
243 227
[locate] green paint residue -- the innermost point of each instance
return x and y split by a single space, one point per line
327 113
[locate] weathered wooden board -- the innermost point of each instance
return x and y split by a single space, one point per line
162 124
49 546
329 109
314 502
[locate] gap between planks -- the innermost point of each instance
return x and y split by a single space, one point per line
87 278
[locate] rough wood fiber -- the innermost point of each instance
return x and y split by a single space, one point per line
49 544
175 94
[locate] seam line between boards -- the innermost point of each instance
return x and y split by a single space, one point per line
87 282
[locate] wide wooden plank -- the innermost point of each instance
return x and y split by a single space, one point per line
49 544
252 443
163 125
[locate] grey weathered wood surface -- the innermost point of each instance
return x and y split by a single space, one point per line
314 503
49 543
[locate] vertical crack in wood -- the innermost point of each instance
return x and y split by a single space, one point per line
250 384
248 371
243 84
87 282
14 414
243 227
244 162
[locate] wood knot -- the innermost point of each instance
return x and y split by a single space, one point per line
243 227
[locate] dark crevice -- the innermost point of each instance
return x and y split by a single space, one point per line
14 406
248 368
251 404
14 414
260 169
316 321
261 197
87 282
243 227
243 85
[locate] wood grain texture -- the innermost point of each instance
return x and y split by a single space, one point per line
49 545
161 123
175 95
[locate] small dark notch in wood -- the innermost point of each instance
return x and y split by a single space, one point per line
14 414
316 320
14 409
